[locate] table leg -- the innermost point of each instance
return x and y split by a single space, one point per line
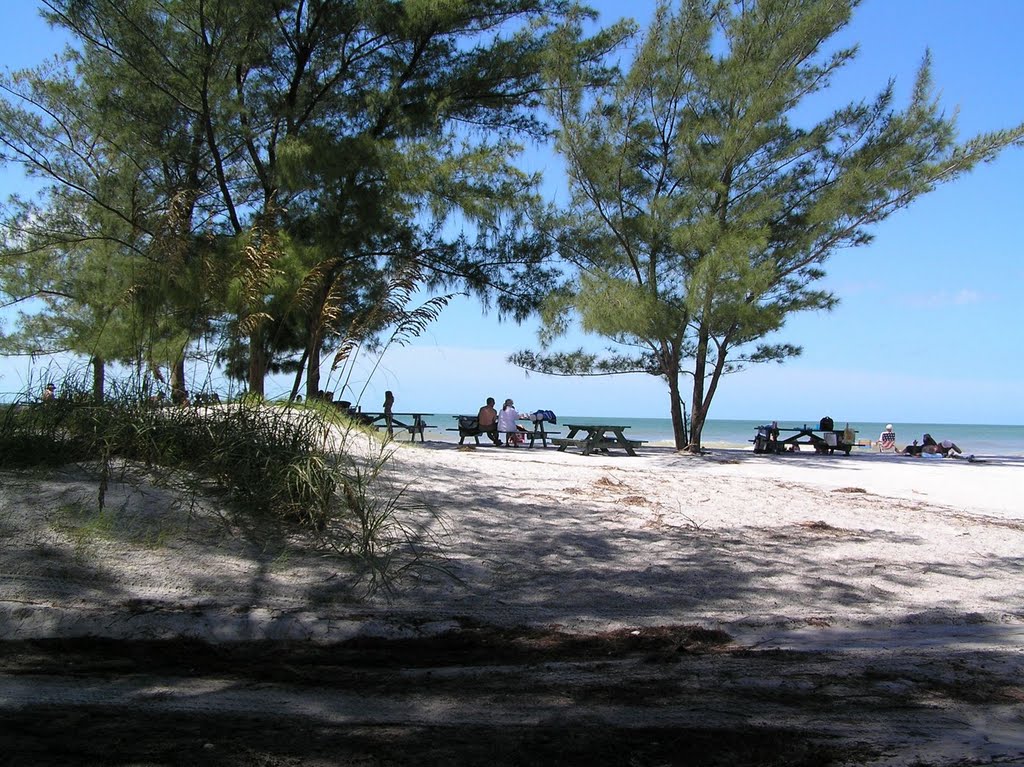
624 442
571 435
588 443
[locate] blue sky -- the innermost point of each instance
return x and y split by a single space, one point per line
929 324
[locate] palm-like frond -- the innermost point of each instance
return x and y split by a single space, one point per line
257 274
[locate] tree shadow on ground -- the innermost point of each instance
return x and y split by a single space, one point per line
485 645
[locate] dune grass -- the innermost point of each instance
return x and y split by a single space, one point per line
275 466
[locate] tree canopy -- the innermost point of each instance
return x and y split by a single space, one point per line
710 184
266 169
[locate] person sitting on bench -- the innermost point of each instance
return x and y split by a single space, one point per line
487 420
507 423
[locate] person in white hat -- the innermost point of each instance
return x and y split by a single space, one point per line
945 448
507 423
887 439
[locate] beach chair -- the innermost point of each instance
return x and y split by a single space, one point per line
887 440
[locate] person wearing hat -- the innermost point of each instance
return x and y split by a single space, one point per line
507 422
887 439
947 446
49 393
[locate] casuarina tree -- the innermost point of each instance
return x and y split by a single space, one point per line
711 182
294 158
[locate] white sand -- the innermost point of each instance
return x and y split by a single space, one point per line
735 540
729 538
909 595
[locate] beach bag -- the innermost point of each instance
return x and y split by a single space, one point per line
826 424
468 423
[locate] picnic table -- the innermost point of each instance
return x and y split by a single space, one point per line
469 426
414 423
824 441
600 437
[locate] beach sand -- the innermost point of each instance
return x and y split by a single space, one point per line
896 581
726 539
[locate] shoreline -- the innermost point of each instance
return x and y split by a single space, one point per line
1007 441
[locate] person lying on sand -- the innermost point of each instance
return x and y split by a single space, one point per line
945 448
927 442
929 446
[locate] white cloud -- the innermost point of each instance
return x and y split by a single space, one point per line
962 297
967 296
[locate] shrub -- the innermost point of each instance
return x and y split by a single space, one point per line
275 464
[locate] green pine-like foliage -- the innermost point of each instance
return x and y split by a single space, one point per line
713 179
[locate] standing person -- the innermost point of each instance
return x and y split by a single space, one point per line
507 423
487 421
389 407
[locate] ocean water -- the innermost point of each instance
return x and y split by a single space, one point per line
980 439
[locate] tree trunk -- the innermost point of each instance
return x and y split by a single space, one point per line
313 350
702 397
678 417
314 346
697 417
698 412
98 374
298 375
257 363
179 394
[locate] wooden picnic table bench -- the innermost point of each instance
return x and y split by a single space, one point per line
823 441
598 437
417 424
469 426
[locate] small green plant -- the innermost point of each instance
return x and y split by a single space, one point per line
277 466
373 532
84 525
282 560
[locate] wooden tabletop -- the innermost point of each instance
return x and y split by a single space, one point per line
593 427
